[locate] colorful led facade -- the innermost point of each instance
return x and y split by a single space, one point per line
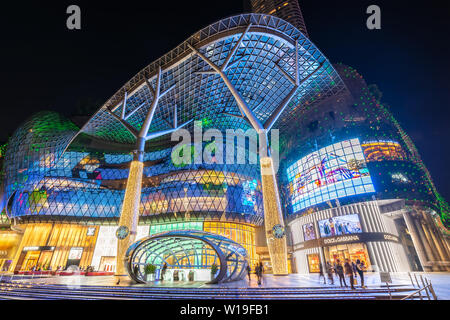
396 209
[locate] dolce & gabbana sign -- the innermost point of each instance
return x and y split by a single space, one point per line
350 238
334 240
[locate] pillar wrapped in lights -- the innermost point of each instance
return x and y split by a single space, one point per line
129 216
273 217
130 213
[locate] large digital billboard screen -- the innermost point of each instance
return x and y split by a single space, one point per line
336 171
338 226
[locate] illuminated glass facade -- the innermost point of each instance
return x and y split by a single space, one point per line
188 225
398 193
240 233
333 145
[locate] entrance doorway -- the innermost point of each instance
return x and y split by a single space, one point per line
353 252
31 259
107 264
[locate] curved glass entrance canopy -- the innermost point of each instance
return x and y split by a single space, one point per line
186 251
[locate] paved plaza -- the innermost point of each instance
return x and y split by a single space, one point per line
440 282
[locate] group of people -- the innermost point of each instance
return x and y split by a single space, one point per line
350 269
259 270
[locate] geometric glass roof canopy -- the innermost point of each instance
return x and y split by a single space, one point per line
262 69
187 249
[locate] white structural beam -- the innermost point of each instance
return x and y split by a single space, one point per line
279 110
239 100
287 75
232 64
167 91
233 51
175 116
130 128
124 105
148 119
157 134
134 110
233 115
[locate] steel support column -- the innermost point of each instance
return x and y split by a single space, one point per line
272 208
129 215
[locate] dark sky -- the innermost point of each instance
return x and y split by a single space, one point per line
46 66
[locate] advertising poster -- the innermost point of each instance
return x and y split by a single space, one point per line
338 226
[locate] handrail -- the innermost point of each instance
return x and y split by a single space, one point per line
427 288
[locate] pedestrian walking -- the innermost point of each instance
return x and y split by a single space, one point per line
340 272
163 271
330 272
360 269
349 272
249 271
321 275
259 272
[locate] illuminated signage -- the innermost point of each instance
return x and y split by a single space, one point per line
390 238
36 248
336 171
75 253
383 150
342 225
362 237
341 239
90 231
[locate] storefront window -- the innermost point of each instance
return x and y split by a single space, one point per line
242 234
353 252
314 263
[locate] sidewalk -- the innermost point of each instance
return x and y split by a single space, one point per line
440 282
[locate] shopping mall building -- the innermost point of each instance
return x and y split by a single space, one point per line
350 182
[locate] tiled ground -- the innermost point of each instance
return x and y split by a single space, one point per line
440 282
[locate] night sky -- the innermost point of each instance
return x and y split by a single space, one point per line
45 66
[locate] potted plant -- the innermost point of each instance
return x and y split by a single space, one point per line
214 269
149 271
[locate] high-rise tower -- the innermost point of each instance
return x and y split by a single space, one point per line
288 10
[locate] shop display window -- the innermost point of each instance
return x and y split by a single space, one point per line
353 252
314 263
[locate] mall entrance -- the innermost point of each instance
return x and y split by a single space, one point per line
33 257
353 252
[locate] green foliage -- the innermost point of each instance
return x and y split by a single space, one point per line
149 269
214 269
3 148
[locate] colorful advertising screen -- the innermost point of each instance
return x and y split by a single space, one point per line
308 231
336 171
249 193
338 226
383 150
